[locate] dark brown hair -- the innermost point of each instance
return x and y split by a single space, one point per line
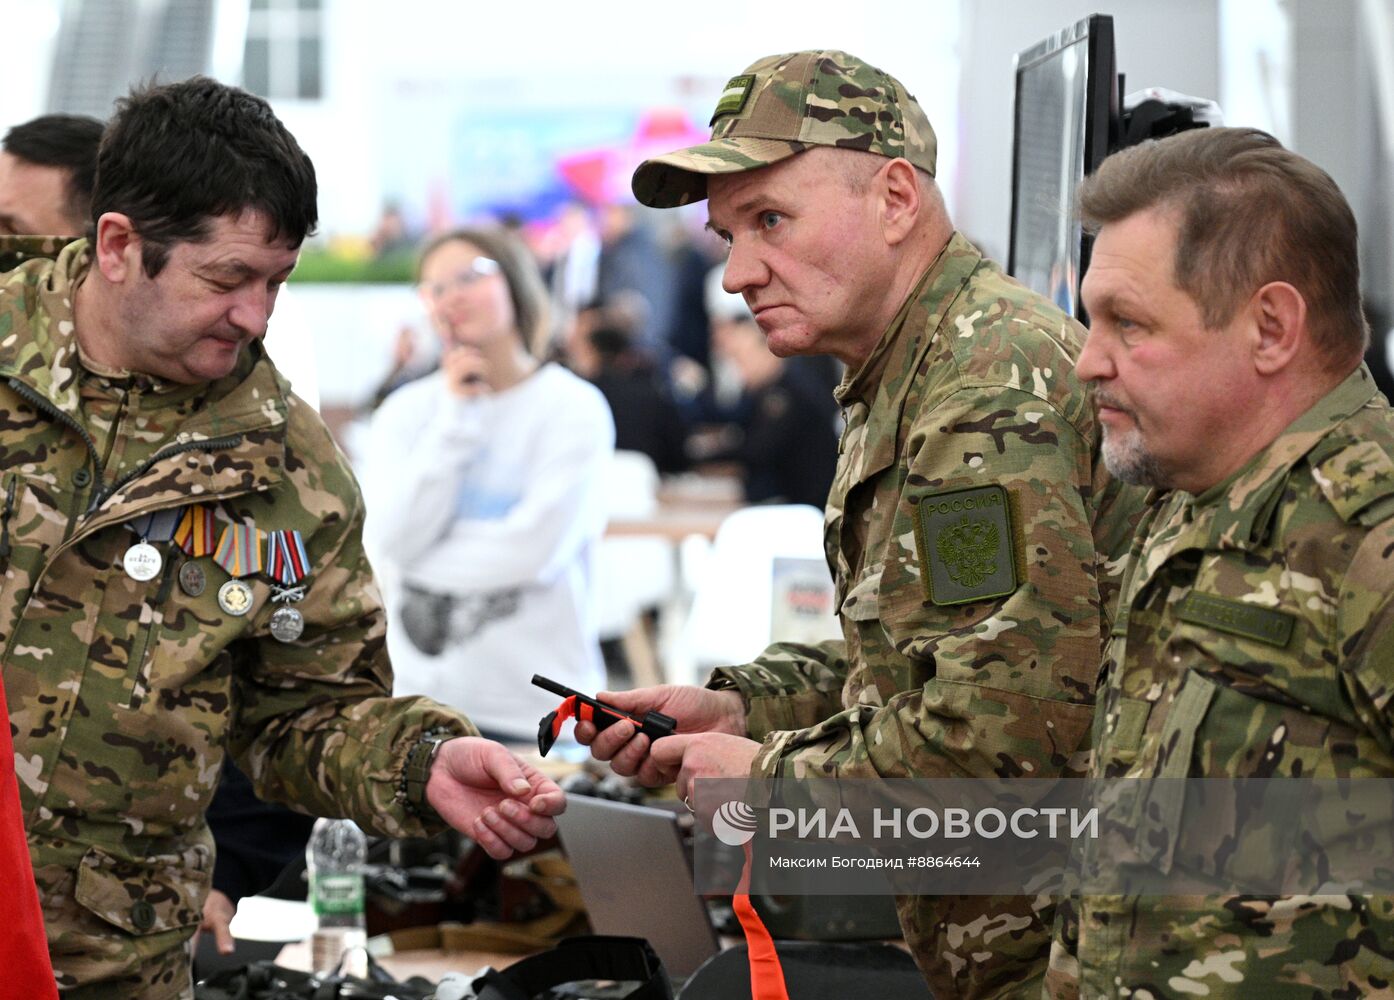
177 156
1248 211
68 142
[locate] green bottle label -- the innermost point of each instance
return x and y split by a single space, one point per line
332 895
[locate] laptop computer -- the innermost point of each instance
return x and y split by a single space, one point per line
636 880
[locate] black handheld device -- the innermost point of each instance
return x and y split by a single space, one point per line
654 725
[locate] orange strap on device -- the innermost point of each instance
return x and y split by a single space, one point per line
570 708
766 974
583 708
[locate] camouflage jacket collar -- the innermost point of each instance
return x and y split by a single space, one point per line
39 348
884 379
15 250
901 346
1240 510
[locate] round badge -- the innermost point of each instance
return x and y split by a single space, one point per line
142 561
235 597
287 624
192 579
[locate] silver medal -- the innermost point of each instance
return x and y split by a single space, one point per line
287 624
192 579
142 561
235 597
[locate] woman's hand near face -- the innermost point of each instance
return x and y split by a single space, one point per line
464 371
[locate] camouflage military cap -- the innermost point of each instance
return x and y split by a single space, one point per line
782 105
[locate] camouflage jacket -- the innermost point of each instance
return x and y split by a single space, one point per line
971 388
123 695
1255 638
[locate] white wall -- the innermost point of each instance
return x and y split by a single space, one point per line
30 31
406 58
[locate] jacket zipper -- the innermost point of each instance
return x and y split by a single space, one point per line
42 404
101 493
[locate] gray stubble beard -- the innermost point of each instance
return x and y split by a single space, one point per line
1129 461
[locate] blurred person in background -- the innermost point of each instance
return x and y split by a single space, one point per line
391 236
47 167
785 438
485 496
601 349
633 260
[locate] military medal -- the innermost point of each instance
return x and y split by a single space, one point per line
235 597
142 561
287 624
192 579
287 563
238 552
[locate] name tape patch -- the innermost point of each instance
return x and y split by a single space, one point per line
1237 618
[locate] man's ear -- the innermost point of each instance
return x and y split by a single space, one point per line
901 203
1279 316
117 247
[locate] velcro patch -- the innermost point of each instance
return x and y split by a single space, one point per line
1237 618
733 96
966 543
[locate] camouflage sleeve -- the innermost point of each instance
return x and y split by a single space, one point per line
1365 621
998 687
314 724
788 686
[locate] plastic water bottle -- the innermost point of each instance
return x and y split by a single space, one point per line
334 861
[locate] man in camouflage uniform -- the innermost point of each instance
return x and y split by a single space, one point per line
1255 634
969 523
134 384
47 170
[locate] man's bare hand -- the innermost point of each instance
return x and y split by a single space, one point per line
702 755
218 911
697 710
486 793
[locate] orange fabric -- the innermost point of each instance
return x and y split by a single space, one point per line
766 974
24 966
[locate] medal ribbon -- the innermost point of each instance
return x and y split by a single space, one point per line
286 558
239 550
195 532
156 527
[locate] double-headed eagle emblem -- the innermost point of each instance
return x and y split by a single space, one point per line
969 550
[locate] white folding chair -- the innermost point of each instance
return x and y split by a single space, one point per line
765 579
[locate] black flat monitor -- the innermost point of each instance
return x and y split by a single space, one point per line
1065 123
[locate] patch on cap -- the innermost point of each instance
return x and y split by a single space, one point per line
733 96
